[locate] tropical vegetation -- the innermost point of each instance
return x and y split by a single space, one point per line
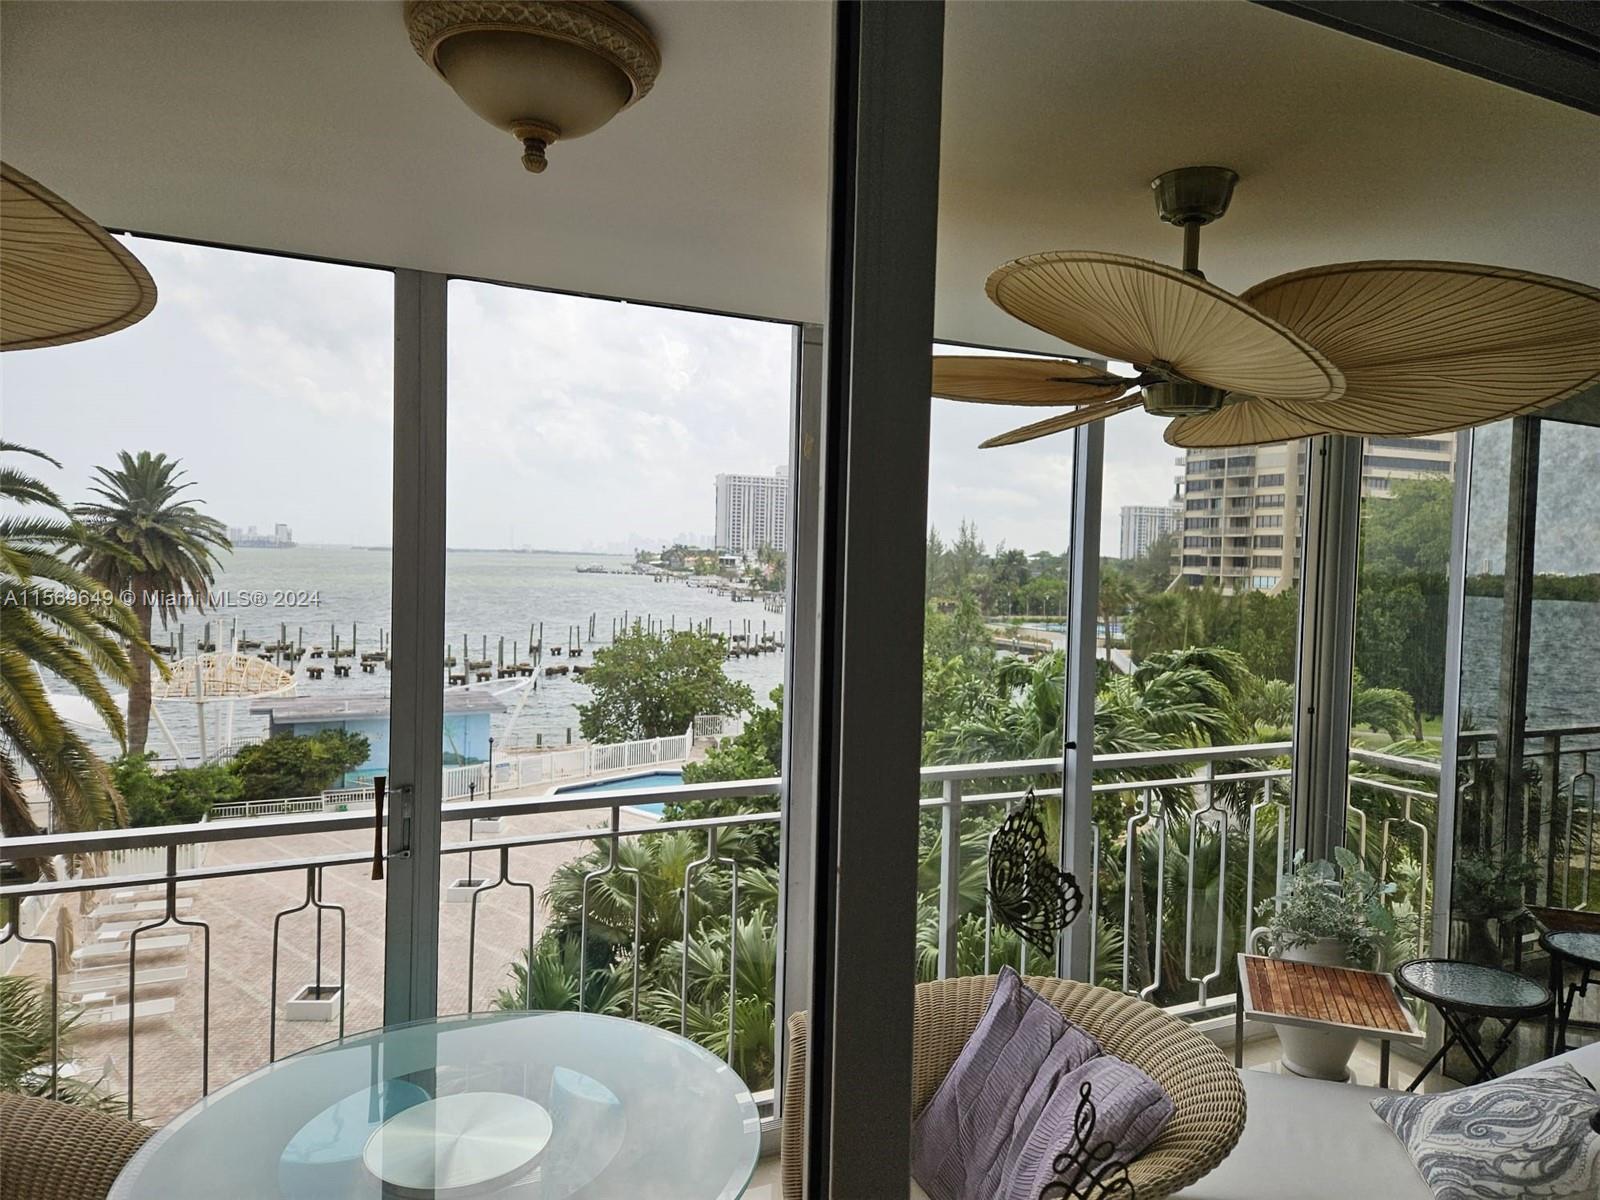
653 683
280 766
34 1039
297 766
57 621
1209 670
154 547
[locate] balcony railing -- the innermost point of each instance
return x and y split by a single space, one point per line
1201 832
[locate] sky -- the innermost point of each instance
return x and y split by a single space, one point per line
574 424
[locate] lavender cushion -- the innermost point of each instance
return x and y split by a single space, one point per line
966 1136
1130 1110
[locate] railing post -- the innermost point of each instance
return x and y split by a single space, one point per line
949 877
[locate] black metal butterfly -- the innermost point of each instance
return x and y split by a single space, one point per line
1085 1169
1027 892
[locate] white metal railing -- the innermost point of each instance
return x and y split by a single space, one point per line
1209 820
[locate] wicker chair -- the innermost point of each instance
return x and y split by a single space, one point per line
1203 1084
55 1151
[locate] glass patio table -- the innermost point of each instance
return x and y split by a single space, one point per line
1463 991
525 1106
1580 950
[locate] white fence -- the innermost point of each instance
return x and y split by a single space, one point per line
151 861
710 728
511 772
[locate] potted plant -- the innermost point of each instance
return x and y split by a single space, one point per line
1332 914
1487 896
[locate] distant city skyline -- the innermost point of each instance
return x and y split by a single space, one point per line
574 424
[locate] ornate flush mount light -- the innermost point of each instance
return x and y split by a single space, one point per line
542 70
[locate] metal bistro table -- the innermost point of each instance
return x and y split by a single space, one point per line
1578 950
525 1106
1461 991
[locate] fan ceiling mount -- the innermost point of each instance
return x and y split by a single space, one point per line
1389 348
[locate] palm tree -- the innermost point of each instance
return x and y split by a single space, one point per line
30 1033
1117 594
159 551
58 620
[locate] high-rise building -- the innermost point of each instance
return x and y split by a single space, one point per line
1241 507
752 512
1142 524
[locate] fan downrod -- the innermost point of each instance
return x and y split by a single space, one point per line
1190 197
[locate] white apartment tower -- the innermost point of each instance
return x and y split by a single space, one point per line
1142 524
752 512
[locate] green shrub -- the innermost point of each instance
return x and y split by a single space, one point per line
181 796
297 766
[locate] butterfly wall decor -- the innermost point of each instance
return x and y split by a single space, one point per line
1028 893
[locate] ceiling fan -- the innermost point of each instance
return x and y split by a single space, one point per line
1382 348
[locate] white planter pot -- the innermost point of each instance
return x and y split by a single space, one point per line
1317 1053
461 891
313 1003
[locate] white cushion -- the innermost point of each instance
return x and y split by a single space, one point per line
1313 1141
1322 1141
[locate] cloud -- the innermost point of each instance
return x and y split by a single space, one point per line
573 423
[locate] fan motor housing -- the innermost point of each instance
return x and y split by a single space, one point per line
1193 195
1181 398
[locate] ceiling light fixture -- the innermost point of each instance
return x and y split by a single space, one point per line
542 70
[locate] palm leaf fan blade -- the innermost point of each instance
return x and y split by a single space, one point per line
1083 416
1246 421
1143 312
985 379
1428 347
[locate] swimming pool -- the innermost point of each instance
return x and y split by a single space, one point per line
627 783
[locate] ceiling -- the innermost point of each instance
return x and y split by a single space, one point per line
313 128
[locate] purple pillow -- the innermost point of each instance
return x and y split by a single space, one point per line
1130 1108
966 1136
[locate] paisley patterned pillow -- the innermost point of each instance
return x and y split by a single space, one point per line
1531 1136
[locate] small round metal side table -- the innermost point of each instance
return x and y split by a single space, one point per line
1461 991
1569 949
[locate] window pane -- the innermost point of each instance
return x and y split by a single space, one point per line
1198 645
617 526
999 523
1532 841
1397 699
237 444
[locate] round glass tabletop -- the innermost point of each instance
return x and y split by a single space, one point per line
1466 985
1580 947
525 1106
